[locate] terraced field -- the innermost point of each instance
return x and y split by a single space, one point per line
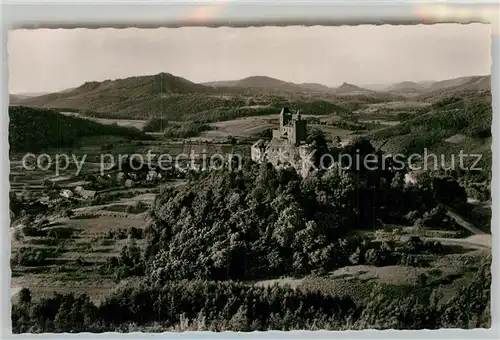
75 263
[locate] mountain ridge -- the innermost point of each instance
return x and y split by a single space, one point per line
169 95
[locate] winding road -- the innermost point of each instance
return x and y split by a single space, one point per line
461 221
480 239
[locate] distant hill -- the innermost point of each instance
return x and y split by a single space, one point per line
175 98
128 91
222 83
19 98
316 87
30 94
408 87
273 84
15 99
134 97
427 89
264 83
454 83
33 129
347 88
442 89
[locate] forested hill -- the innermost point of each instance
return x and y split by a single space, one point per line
446 127
176 98
33 129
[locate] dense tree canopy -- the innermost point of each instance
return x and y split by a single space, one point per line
36 129
219 306
262 221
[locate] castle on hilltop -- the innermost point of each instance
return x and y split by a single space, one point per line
288 145
292 128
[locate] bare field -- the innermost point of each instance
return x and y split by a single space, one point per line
138 124
44 286
387 113
91 226
250 126
332 131
398 105
145 198
242 127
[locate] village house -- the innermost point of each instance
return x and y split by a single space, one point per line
66 193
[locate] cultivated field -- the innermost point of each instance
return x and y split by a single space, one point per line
75 262
242 127
138 124
251 126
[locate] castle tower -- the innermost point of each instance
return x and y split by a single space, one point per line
285 116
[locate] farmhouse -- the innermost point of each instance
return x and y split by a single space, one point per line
288 146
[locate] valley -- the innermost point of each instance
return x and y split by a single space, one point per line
345 237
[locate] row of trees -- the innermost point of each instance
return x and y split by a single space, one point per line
220 306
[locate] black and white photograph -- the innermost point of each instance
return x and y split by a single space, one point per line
250 178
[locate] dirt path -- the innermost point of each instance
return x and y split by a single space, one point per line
480 239
461 221
475 241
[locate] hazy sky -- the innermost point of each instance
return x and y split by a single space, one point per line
50 60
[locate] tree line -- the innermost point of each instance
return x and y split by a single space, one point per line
220 306
33 129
